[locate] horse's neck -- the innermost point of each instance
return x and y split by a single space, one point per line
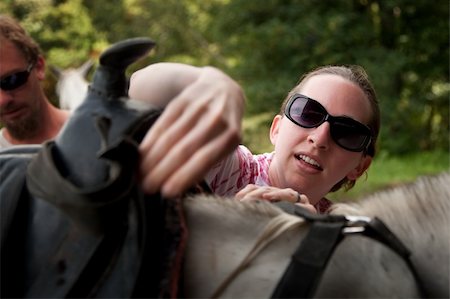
418 214
412 211
221 233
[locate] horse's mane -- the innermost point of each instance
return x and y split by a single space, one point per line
257 208
427 201
416 208
428 194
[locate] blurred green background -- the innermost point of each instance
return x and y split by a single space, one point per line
267 45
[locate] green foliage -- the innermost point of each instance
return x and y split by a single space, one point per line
267 45
256 132
402 44
63 29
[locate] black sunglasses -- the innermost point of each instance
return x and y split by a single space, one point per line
16 80
345 131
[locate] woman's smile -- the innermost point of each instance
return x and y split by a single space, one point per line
310 161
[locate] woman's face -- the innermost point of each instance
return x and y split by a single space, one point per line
308 160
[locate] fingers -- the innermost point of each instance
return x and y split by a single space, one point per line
252 192
186 161
308 207
170 116
178 151
166 135
303 201
199 126
195 168
286 194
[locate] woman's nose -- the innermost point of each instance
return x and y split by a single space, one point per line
320 137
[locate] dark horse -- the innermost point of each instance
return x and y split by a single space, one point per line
74 223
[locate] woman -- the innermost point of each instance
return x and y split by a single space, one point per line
324 138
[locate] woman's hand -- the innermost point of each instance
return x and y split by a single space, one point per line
200 125
273 194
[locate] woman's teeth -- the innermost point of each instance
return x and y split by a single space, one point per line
309 160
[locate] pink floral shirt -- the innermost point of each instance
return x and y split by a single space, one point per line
241 168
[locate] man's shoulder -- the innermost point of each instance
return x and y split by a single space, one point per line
3 142
16 158
20 151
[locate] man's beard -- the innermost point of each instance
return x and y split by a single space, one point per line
27 127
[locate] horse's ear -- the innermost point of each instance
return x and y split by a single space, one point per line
86 67
56 71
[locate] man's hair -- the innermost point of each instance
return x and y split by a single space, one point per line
11 30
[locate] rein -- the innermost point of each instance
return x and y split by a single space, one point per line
276 227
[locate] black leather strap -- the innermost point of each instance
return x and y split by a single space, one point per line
309 260
93 208
377 230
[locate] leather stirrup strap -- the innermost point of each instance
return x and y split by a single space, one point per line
92 209
309 260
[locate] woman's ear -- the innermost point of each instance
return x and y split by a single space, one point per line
358 171
274 128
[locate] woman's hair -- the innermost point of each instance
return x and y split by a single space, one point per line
11 30
358 76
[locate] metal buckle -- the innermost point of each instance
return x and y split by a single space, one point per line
355 224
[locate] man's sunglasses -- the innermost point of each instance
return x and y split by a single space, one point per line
345 131
16 80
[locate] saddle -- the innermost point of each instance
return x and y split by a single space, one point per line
72 215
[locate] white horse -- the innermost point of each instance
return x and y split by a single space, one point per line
71 86
224 259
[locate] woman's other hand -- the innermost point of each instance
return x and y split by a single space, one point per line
273 194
